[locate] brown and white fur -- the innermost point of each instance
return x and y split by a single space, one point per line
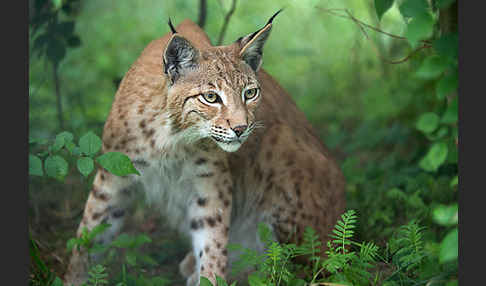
216 169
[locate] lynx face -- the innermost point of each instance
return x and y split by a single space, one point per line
214 92
218 107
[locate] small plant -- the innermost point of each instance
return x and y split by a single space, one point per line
86 240
97 276
126 244
49 159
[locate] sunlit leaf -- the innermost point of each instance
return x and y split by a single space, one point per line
381 6
445 215
449 247
432 67
419 28
428 122
435 157
117 163
413 8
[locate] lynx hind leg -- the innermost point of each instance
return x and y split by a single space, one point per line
107 203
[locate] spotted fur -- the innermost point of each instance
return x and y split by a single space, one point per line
212 184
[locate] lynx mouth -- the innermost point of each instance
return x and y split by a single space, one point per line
228 145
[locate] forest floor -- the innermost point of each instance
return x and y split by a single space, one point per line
55 210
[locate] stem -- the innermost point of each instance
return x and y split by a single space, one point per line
226 21
203 8
58 96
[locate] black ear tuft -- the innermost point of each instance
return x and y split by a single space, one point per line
252 45
172 27
179 57
273 17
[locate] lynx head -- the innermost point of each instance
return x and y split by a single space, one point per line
213 91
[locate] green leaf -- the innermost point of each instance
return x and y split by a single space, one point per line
57 282
70 147
56 167
100 228
447 46
56 3
71 243
449 247
117 163
445 215
147 259
454 181
254 280
420 28
35 166
413 8
447 85
65 29
85 165
131 258
435 157
220 281
428 122
381 6
66 136
97 248
141 239
451 114
55 51
123 241
90 143
61 140
205 282
432 67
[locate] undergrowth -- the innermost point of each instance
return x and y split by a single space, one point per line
403 261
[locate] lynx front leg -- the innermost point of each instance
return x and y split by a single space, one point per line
107 203
209 219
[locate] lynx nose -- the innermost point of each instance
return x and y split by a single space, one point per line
239 129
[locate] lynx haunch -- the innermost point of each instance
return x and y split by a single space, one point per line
220 147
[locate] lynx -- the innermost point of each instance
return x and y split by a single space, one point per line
220 146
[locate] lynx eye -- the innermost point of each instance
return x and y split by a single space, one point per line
210 97
251 93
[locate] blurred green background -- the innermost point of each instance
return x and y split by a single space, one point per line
387 124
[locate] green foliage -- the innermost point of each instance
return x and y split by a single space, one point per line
117 163
449 247
382 6
97 276
90 144
86 240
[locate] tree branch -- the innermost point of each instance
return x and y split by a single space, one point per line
226 21
58 96
203 8
362 25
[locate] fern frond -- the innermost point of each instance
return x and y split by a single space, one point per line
343 230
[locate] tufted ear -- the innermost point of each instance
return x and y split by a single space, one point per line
180 56
251 46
